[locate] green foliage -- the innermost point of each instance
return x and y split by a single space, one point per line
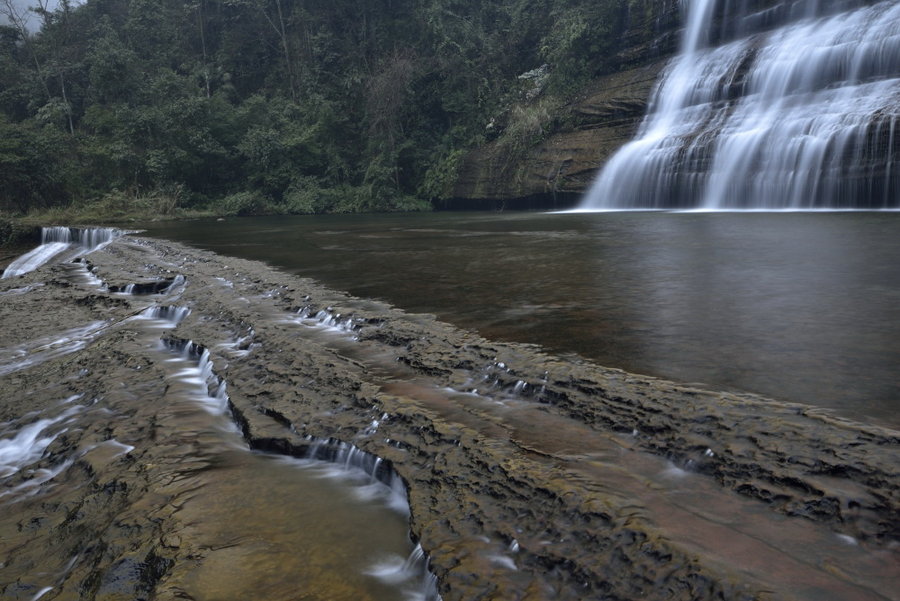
528 123
305 197
254 106
581 41
31 166
14 233
119 205
244 203
440 177
111 67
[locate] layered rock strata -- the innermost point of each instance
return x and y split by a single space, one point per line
528 476
600 119
554 172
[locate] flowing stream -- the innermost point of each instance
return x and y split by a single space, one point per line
788 105
60 243
271 526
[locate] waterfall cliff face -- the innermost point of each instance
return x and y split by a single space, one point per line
784 105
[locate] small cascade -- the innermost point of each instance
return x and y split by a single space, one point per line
376 480
202 374
55 241
22 290
21 447
176 283
173 315
792 107
38 351
91 238
27 444
498 381
414 567
82 272
349 458
165 286
372 428
327 319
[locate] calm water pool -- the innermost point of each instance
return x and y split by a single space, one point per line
797 306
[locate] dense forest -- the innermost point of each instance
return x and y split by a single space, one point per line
292 106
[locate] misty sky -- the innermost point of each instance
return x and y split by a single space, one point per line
33 20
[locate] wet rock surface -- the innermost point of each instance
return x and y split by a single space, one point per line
528 476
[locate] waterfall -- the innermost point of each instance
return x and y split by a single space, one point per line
55 240
792 106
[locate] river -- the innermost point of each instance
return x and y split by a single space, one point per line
524 472
801 307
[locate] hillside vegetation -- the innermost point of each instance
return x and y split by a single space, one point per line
128 107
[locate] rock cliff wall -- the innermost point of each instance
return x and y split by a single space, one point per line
556 171
605 115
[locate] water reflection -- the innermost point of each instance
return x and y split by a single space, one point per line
801 307
797 307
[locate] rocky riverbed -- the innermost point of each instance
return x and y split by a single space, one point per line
527 476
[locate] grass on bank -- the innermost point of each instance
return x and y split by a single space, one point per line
117 207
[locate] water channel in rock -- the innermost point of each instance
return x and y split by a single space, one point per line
100 401
797 306
269 526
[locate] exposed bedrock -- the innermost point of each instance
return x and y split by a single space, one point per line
711 122
528 476
561 167
587 130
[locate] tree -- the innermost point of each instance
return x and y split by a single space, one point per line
339 105
57 64
19 19
274 14
32 171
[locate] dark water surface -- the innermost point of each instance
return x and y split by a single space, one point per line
796 306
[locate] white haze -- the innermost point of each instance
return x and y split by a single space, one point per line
32 21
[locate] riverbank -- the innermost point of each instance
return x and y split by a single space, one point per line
528 476
110 212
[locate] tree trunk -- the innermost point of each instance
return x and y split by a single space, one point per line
62 86
17 19
200 19
287 54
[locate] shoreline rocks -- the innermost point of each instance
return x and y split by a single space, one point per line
528 476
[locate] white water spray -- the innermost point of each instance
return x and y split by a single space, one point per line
799 116
55 241
21 446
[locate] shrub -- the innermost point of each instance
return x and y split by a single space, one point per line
243 204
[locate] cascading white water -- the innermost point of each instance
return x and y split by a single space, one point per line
797 107
56 240
413 572
173 315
